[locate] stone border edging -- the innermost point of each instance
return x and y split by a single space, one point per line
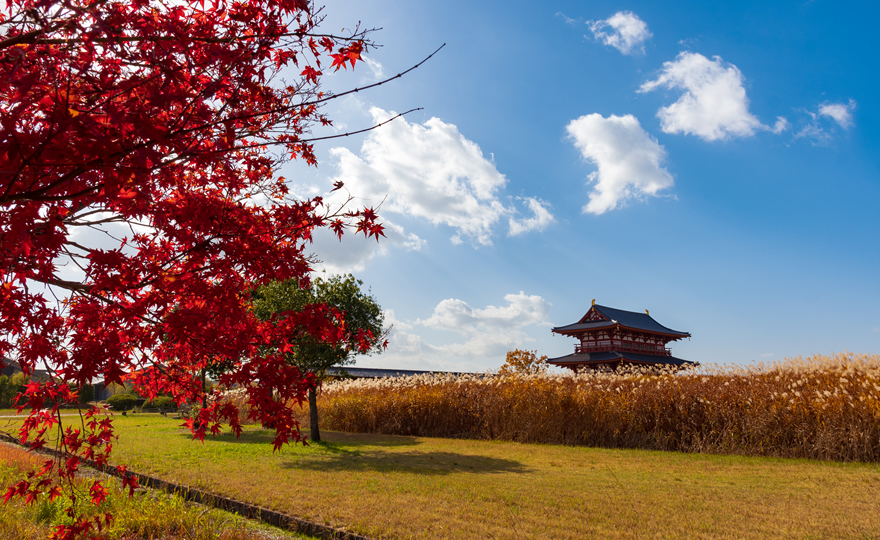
271 517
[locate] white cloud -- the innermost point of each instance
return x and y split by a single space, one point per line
391 320
627 32
813 132
629 161
780 125
567 20
457 316
430 171
541 218
488 334
817 130
840 112
352 252
714 104
490 331
376 69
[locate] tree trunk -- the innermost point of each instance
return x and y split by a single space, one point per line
313 415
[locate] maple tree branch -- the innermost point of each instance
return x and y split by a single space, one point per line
37 195
26 37
352 132
190 155
30 38
336 96
380 83
73 286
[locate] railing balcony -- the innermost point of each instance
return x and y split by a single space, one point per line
623 347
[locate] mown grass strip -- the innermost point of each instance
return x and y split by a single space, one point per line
412 487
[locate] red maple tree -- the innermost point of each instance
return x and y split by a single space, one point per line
139 201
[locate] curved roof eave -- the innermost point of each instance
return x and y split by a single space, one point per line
641 322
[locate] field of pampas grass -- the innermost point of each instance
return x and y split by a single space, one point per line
820 407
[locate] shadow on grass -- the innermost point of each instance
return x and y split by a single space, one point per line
427 463
334 441
263 436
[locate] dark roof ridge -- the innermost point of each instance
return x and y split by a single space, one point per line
629 319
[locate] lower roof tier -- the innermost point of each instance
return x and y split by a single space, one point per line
614 356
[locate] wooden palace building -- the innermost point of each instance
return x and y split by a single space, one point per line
608 338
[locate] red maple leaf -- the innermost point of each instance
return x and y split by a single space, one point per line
98 493
106 122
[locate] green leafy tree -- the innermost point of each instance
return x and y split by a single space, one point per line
359 314
8 390
10 387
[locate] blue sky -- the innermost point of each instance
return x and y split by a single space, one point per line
716 163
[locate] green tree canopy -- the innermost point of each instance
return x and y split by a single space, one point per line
361 315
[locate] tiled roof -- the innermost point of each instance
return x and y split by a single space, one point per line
628 319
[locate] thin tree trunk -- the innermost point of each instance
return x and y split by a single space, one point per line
204 396
313 414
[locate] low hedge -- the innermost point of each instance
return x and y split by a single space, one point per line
122 402
161 402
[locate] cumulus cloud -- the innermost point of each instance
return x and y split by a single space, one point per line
391 321
353 251
484 335
624 31
429 171
457 316
629 160
489 331
840 112
541 218
714 103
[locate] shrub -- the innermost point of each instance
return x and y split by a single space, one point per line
9 388
122 402
161 402
6 392
86 394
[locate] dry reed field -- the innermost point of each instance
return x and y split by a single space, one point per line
820 407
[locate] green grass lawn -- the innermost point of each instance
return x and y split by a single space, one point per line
147 515
408 487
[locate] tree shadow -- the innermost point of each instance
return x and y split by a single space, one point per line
354 452
338 440
426 463
332 441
